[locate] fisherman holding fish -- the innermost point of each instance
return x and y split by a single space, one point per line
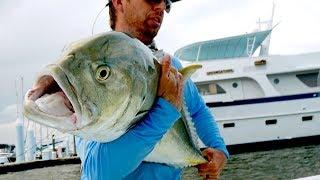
142 19
133 117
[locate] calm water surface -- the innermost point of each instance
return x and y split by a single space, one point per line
287 163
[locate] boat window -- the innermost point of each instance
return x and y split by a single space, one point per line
271 122
210 88
309 79
276 81
234 85
228 125
307 118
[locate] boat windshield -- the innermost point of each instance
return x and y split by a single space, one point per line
230 47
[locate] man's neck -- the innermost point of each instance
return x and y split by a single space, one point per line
145 40
153 46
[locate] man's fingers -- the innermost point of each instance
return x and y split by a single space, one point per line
166 70
166 65
203 174
170 83
208 168
180 83
203 167
211 178
207 154
178 78
213 168
166 59
208 176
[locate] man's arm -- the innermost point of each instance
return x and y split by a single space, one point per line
118 158
209 133
207 129
206 126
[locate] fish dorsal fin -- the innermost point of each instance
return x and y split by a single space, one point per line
186 73
189 70
191 129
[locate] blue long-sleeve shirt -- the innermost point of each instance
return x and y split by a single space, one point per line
122 158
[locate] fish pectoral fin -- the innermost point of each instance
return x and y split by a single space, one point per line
138 116
189 70
141 113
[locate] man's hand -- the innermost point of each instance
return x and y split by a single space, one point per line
42 85
170 83
216 161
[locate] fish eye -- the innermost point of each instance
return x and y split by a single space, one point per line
102 73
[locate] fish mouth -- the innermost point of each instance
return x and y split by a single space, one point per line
53 101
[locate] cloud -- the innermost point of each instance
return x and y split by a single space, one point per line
8 114
191 21
7 133
7 124
33 34
7 6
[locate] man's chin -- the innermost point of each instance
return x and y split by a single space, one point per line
151 33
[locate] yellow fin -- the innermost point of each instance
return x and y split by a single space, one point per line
189 70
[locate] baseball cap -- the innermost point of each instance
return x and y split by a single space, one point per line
168 3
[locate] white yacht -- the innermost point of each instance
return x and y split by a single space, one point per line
259 98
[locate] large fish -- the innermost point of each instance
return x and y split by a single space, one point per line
101 87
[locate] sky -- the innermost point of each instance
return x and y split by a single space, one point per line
33 33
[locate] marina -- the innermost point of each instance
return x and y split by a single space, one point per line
267 107
288 163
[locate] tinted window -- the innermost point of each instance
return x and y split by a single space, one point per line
210 88
309 79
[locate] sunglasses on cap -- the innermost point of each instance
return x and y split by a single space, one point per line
168 3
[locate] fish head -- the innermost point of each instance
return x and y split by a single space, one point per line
96 89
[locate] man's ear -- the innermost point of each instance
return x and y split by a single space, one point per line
118 5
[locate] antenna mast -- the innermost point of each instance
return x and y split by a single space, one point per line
264 50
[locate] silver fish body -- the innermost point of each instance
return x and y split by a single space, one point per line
100 88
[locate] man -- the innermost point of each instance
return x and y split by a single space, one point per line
123 157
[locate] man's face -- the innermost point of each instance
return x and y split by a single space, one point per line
143 17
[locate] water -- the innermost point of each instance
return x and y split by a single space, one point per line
287 163
64 172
